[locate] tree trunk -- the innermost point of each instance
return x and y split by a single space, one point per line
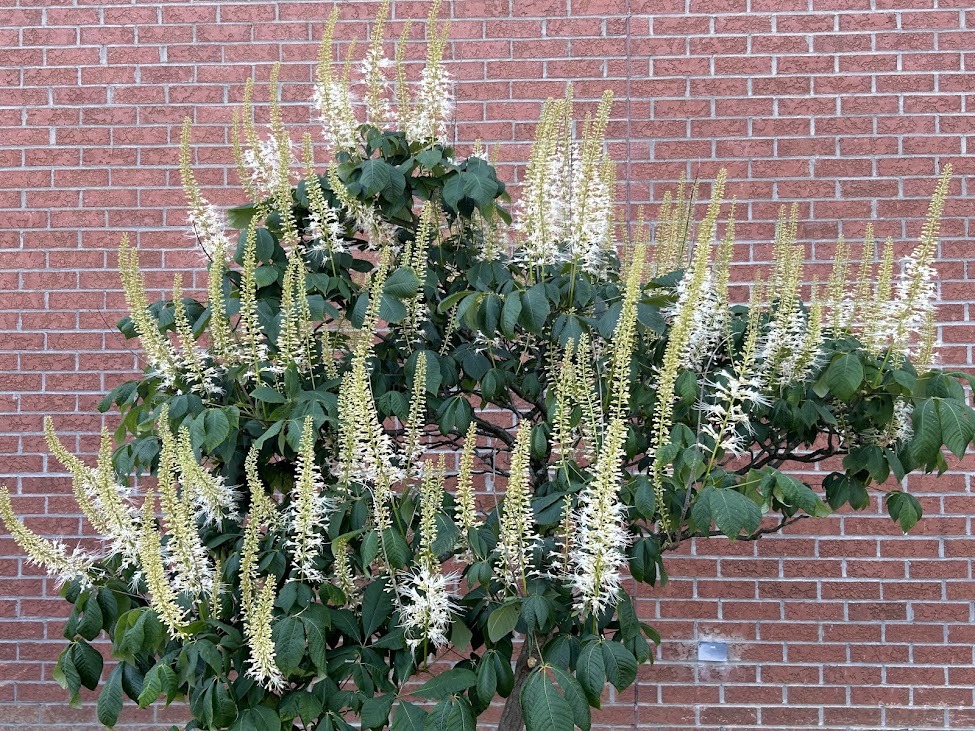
511 718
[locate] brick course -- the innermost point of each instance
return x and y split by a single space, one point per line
850 107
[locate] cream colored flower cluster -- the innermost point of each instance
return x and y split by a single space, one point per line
567 208
421 110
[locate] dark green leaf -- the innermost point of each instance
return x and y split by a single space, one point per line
377 605
450 682
591 672
258 718
543 707
408 717
620 664
110 701
289 643
534 308
375 711
576 698
728 509
905 509
844 375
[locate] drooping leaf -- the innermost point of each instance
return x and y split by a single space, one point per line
905 509
110 700
728 509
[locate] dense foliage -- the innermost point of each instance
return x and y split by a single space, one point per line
318 557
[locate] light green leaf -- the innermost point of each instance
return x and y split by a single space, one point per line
503 620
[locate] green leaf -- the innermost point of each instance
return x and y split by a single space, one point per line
268 395
591 672
905 509
502 621
397 551
576 698
216 426
91 622
479 188
534 610
460 636
300 704
510 313
844 375
377 605
957 425
454 415
408 717
239 217
289 643
535 308
316 620
926 444
258 718
402 283
487 680
620 664
797 494
110 701
731 511
376 710
374 176
88 662
543 707
450 682
160 679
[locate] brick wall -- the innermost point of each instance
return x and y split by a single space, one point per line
849 106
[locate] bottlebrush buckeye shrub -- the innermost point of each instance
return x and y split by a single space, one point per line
308 557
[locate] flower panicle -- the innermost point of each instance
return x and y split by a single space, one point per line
195 362
189 560
214 499
518 535
466 509
64 564
431 503
162 593
597 554
308 510
157 348
207 224
103 501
